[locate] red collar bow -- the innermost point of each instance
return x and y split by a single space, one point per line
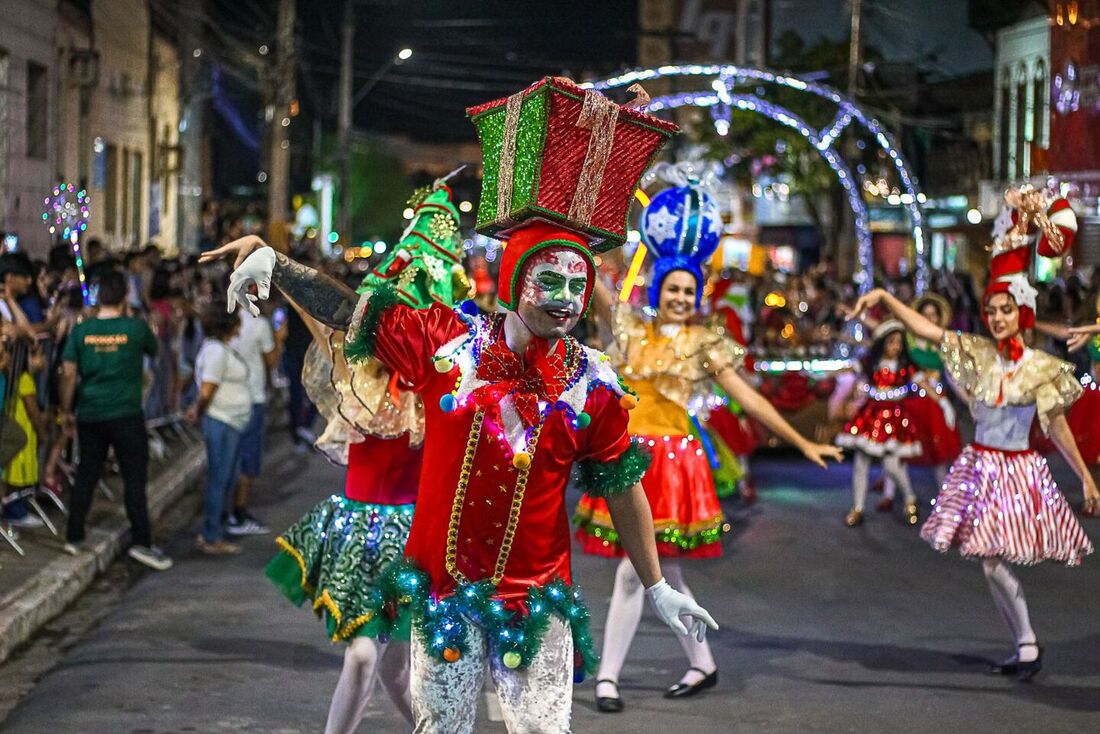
1012 348
541 376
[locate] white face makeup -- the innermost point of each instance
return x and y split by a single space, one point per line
677 297
551 299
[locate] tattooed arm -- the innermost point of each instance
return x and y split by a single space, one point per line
321 296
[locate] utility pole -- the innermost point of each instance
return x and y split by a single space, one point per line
278 177
854 49
343 143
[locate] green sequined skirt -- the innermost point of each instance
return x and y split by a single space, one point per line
334 557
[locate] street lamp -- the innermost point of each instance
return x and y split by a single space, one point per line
402 56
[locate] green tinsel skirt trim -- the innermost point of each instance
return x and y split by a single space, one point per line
675 537
362 336
335 557
607 479
514 636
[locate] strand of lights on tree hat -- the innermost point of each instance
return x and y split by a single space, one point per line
67 212
847 112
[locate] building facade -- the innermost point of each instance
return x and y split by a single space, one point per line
28 73
89 95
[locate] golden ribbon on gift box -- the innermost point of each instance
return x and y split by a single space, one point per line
598 114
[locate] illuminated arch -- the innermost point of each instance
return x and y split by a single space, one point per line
720 98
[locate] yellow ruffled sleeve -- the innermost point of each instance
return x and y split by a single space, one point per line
965 357
721 353
1057 394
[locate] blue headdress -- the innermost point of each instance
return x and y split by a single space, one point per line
681 227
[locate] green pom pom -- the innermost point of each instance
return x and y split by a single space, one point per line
583 420
511 659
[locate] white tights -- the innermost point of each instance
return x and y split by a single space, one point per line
627 601
895 472
1008 596
365 660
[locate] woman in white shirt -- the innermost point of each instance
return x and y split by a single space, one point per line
225 406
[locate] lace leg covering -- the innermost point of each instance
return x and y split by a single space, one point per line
444 695
539 700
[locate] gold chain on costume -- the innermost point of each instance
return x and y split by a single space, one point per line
460 498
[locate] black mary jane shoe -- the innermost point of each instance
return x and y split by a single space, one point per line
1026 671
683 690
1023 671
609 704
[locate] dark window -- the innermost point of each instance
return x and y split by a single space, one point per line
1042 106
110 193
136 160
1006 111
1021 130
38 110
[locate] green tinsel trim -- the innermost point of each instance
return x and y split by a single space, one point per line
442 624
668 536
360 343
606 479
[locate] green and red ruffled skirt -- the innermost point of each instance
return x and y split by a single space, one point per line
335 557
680 488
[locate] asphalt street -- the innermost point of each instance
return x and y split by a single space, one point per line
824 629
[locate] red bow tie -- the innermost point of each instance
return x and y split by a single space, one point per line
1011 349
541 377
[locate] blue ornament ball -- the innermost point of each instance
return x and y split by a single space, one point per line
682 220
447 403
469 308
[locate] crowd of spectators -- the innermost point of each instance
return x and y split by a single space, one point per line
85 377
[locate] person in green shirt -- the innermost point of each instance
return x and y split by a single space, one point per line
101 377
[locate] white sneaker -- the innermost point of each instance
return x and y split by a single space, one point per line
29 521
245 525
152 557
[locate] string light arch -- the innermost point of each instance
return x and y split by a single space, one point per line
721 100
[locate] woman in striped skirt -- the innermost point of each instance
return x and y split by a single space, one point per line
999 503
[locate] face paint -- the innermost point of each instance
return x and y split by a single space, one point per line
551 299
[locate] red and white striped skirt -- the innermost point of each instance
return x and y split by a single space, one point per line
1005 504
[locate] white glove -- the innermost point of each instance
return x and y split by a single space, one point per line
257 268
671 605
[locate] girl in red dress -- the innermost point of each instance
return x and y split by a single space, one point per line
881 427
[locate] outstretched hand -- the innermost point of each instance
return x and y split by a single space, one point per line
819 452
239 248
866 301
1079 336
673 607
256 268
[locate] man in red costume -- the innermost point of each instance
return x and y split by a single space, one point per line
512 404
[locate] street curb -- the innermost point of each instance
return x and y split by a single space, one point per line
41 597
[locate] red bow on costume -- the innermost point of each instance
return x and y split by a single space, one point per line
1012 348
541 377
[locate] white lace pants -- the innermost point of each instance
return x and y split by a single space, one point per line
535 700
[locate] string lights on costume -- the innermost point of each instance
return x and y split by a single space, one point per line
66 215
722 102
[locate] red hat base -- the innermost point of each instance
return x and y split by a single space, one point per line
525 241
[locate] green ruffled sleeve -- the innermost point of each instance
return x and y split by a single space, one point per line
609 478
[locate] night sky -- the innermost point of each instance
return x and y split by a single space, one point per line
931 33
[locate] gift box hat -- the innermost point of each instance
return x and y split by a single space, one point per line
566 155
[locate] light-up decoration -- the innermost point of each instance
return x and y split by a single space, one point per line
639 257
66 216
722 101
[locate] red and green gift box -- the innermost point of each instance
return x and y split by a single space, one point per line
568 155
